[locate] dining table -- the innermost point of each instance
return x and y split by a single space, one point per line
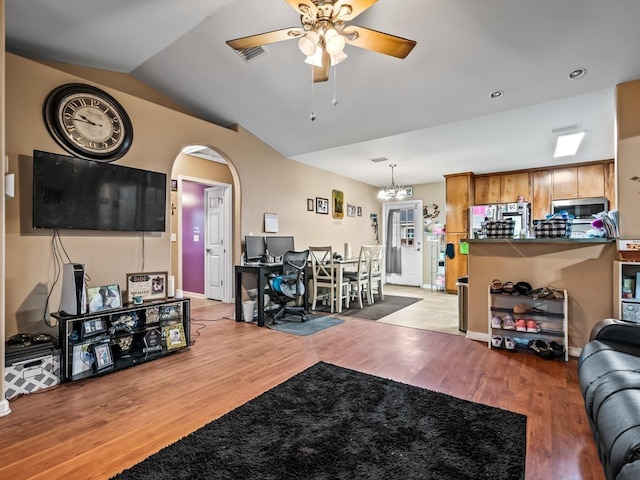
340 266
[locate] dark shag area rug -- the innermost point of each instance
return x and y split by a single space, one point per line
329 422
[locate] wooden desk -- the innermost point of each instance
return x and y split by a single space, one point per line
261 272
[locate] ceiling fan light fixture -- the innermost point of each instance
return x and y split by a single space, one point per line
308 44
315 59
334 42
337 58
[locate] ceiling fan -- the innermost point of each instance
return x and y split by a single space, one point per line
324 33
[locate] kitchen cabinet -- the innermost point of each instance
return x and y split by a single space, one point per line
579 181
502 188
459 194
455 267
541 200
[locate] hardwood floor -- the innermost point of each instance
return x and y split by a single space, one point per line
95 428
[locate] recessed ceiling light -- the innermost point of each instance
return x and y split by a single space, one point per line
577 73
497 94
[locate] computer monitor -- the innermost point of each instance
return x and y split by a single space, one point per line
278 246
254 247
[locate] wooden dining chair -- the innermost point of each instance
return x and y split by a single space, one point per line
376 273
325 281
360 279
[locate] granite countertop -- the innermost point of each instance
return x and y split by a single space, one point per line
540 240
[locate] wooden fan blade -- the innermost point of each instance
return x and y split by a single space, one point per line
378 41
265 38
357 7
313 10
321 74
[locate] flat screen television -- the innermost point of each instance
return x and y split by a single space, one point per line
73 193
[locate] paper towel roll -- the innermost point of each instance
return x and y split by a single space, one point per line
347 250
171 286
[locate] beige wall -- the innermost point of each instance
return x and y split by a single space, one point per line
265 182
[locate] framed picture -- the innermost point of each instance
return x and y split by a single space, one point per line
310 205
322 205
174 336
174 185
93 327
351 210
271 222
102 352
337 199
359 211
147 286
82 359
105 297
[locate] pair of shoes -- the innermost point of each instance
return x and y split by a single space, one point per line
524 308
542 349
509 343
558 350
521 325
496 286
508 323
496 322
547 292
496 341
509 288
533 327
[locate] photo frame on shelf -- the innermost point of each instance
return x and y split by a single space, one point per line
103 355
337 200
174 336
310 206
82 360
93 326
148 286
351 210
322 205
104 297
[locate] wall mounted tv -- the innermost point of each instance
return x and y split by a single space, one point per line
72 193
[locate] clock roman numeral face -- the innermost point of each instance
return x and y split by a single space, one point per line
91 123
88 122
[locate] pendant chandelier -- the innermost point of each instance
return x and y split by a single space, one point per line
393 191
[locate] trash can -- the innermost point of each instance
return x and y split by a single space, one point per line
463 303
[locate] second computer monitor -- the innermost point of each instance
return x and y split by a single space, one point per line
278 246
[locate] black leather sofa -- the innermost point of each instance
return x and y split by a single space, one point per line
609 373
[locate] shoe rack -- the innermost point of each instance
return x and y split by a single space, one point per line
529 323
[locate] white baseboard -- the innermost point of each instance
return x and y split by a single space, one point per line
4 408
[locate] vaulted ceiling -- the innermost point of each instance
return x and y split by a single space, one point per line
430 113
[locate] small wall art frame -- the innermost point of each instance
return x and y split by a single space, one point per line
351 210
337 200
322 205
310 205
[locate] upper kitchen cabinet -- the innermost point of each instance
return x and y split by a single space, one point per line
579 181
501 188
541 203
459 194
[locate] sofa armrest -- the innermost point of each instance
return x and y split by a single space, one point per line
616 330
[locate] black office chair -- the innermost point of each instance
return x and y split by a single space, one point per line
290 285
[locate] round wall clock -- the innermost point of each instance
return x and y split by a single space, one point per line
88 122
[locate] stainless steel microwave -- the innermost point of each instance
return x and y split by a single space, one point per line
581 208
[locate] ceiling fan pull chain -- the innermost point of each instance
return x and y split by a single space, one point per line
313 113
334 102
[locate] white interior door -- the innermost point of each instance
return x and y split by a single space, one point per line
402 237
214 243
